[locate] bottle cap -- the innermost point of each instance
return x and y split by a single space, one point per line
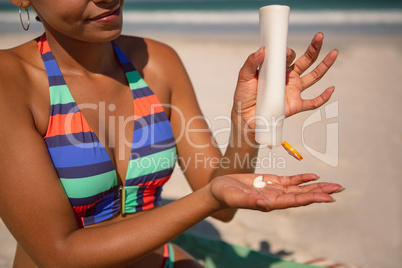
292 151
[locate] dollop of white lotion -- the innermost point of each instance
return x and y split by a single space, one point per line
258 183
269 182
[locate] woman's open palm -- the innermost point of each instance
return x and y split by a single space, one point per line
237 191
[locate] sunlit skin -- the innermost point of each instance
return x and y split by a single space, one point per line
34 205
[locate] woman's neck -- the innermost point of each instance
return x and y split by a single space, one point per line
80 57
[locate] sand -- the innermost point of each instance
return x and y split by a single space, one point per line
365 135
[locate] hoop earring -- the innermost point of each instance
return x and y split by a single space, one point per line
22 24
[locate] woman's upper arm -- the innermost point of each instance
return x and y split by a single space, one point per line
33 204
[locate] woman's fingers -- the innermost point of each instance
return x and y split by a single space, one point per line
323 187
297 179
250 67
318 72
318 101
301 199
309 198
290 57
310 56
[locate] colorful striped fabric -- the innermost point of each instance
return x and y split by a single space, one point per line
82 162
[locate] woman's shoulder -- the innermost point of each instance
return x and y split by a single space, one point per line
18 61
10 63
20 71
13 84
11 70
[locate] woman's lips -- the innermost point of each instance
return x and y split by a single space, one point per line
107 16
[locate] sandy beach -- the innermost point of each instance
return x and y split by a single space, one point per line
361 149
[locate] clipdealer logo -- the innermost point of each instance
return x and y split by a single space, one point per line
331 154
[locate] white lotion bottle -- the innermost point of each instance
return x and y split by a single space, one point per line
270 107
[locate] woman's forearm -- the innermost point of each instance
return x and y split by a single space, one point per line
122 243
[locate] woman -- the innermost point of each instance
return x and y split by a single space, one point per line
74 189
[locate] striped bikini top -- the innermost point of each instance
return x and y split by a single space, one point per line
85 168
